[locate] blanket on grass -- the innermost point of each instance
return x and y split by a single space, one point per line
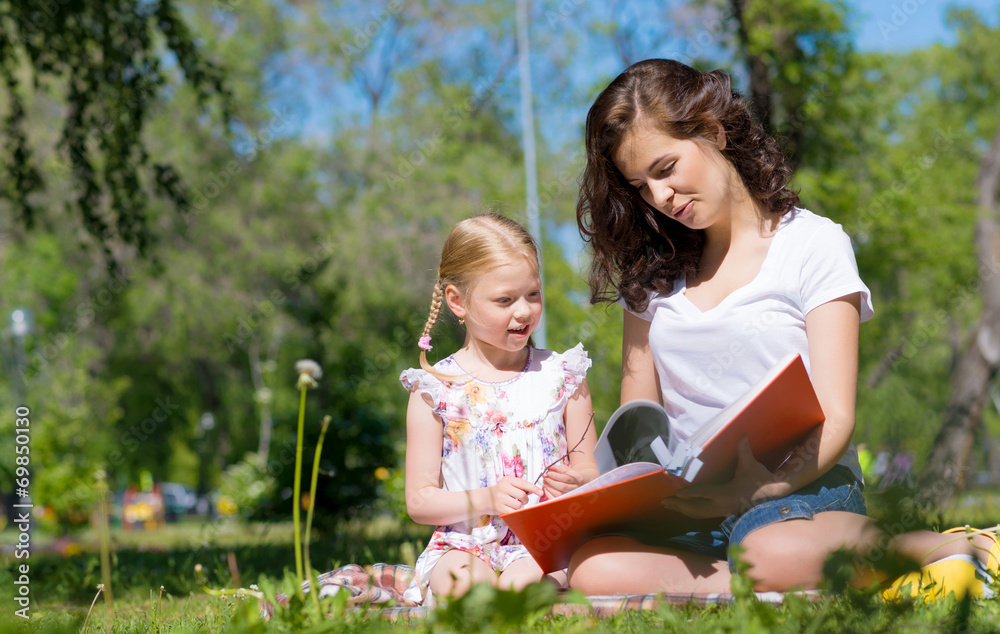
382 585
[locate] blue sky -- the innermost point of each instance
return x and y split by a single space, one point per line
882 25
899 25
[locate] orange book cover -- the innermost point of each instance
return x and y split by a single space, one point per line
776 414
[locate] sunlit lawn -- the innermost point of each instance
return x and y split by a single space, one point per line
63 587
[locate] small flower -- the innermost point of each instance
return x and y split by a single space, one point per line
475 393
309 372
425 343
381 473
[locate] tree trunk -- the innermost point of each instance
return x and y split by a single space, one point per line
760 80
945 472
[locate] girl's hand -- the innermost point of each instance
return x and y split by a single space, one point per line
752 484
561 478
511 493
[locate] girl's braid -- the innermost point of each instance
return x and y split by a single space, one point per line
432 317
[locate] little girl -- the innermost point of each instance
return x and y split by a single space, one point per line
488 429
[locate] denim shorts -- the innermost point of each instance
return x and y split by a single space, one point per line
836 490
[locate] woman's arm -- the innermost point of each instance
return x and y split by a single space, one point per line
639 378
832 332
426 501
581 434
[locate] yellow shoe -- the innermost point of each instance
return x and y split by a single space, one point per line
936 580
993 558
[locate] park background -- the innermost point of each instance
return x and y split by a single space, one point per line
232 185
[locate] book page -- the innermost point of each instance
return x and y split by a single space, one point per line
624 472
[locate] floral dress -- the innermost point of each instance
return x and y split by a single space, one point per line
491 430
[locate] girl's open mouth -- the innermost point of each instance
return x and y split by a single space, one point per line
518 331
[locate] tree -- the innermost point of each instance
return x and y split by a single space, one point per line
970 79
973 378
106 60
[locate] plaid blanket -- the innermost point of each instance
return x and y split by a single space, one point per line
382 585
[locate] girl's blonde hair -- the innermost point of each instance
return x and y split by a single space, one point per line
473 247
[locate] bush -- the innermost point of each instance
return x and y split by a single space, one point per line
248 487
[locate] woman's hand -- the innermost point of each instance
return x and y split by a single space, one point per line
511 493
752 484
560 478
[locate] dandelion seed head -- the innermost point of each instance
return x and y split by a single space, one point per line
309 367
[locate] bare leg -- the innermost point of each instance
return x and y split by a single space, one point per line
928 546
520 573
457 571
619 565
791 554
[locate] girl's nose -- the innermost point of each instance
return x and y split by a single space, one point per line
521 309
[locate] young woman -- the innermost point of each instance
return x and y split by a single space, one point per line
488 428
685 203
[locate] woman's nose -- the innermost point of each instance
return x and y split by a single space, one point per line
660 193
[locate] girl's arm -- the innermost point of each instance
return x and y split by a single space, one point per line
582 434
832 332
426 501
639 378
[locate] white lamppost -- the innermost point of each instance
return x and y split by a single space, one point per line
22 323
528 140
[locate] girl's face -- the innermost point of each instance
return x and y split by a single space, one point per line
504 306
688 181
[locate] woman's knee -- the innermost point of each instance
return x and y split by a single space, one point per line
791 554
779 563
593 564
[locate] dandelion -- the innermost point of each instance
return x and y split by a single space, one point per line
309 372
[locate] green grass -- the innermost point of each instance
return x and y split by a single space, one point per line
63 588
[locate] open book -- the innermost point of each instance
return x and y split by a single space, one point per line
642 465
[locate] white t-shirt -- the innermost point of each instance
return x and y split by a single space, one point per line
706 360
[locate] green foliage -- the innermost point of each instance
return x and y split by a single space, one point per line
107 60
304 238
487 609
249 487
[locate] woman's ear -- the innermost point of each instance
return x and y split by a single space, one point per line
455 300
720 136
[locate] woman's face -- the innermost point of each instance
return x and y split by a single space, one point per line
688 181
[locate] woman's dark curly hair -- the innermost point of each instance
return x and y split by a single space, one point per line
636 248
